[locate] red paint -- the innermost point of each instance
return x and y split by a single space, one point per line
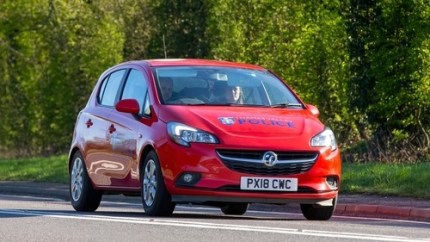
113 140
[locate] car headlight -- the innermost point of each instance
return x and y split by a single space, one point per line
325 138
184 135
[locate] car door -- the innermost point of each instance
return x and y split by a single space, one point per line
99 130
127 132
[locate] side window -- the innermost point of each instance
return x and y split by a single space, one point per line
135 88
109 89
102 89
146 108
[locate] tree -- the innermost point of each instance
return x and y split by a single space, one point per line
390 82
303 42
181 29
55 52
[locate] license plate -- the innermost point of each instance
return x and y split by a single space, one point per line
268 184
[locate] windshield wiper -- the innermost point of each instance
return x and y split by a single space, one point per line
213 104
279 105
224 104
239 105
194 104
286 105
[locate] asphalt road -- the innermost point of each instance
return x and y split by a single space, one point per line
25 218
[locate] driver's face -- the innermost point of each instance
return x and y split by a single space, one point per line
211 84
167 90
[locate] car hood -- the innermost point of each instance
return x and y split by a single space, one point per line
245 121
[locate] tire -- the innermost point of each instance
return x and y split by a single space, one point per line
317 212
235 209
82 194
155 198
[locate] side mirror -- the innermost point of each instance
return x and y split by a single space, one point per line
128 106
314 110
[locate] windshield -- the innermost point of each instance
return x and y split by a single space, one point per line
193 85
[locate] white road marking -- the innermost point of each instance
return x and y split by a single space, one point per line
196 207
285 214
205 225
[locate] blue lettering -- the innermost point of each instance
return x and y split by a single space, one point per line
291 124
280 123
254 121
263 121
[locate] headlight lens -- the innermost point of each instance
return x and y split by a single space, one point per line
184 135
325 138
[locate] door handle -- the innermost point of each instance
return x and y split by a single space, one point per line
112 128
89 123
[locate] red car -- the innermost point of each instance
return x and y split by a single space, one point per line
203 132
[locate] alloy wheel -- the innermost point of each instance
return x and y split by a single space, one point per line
76 184
150 182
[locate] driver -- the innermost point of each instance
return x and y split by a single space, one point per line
166 87
233 94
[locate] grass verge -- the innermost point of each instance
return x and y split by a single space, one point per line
46 169
406 180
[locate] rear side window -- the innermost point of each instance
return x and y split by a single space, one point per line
135 88
109 90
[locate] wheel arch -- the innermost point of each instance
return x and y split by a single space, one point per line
71 154
148 148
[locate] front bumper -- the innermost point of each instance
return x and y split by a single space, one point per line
219 183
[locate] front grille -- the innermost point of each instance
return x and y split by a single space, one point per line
251 162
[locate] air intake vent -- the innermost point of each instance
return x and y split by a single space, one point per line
251 162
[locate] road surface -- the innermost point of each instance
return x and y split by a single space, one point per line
25 218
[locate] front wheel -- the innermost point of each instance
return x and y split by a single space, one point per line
155 198
82 194
318 212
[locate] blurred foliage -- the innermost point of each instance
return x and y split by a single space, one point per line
364 63
52 52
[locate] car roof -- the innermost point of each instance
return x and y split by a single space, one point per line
194 62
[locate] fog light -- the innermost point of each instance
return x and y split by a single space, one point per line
332 182
188 179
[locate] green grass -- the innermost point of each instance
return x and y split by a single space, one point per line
406 180
51 169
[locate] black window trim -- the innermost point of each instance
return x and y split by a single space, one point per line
120 87
145 100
